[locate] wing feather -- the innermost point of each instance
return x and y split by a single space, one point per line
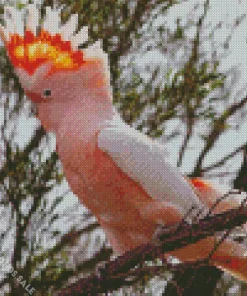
144 160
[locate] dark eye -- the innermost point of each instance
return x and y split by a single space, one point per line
47 93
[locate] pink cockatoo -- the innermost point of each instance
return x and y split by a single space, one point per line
121 175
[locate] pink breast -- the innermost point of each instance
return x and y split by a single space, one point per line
125 211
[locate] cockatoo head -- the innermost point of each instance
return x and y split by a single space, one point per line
47 60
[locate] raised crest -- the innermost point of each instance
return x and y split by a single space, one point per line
54 43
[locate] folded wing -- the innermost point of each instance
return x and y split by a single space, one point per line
144 160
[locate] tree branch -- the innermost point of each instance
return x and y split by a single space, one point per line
193 60
187 234
218 127
135 23
189 127
223 160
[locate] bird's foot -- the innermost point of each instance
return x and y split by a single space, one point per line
162 231
193 215
101 270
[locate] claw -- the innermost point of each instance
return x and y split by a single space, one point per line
162 230
101 270
192 216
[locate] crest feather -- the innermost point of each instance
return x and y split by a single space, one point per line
52 21
79 38
69 28
4 34
54 43
33 16
8 20
14 18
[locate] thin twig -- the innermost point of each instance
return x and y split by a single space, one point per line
223 160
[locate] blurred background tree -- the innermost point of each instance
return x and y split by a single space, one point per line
171 79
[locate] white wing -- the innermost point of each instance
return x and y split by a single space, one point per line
143 159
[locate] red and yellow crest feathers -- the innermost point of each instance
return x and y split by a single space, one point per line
55 43
29 52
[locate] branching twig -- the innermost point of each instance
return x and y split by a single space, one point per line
223 160
218 127
193 60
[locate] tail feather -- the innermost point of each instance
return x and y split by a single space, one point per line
236 266
229 256
209 193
